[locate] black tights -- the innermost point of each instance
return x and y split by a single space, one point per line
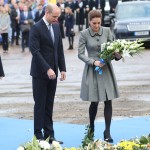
107 114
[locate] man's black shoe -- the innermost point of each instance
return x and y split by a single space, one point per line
53 139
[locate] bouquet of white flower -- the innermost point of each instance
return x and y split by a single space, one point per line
117 50
40 145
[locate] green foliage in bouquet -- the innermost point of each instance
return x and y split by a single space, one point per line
145 140
89 137
35 145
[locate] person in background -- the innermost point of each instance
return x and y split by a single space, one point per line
69 24
71 4
25 19
1 2
97 88
39 13
21 5
102 7
4 28
80 6
15 15
61 18
8 9
87 10
1 69
113 4
47 56
90 5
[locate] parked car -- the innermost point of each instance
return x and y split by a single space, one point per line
132 21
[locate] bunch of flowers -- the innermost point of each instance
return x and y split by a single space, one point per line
117 50
40 145
142 143
99 145
88 143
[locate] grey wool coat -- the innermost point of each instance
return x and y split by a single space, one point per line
95 87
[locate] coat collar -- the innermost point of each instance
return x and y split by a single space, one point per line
96 34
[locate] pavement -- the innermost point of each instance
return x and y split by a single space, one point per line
135 71
16 88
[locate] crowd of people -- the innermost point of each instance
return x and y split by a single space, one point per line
18 16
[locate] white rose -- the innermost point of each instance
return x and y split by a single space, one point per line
124 41
45 145
20 148
109 48
55 145
116 50
108 43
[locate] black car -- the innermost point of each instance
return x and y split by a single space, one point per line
132 21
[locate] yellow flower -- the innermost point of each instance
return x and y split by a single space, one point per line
128 145
73 148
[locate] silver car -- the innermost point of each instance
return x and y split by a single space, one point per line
132 21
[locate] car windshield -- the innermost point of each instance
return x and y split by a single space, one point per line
133 11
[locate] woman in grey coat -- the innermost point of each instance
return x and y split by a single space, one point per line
94 87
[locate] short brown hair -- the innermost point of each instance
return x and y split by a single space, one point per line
49 8
94 14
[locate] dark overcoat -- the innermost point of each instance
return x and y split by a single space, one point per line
45 54
80 15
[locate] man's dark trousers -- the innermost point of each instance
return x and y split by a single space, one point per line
43 93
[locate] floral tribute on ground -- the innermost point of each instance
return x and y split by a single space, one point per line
118 49
88 143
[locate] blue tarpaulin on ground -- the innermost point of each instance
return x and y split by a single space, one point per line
14 132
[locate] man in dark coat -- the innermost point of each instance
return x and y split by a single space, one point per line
40 13
47 56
